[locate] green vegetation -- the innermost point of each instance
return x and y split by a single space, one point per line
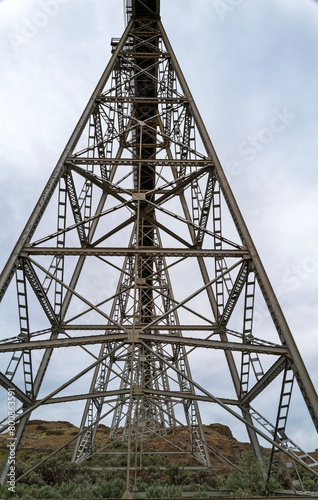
252 481
310 482
59 478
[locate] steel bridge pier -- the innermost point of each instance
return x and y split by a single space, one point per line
148 270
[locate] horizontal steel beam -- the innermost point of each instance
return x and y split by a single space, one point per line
128 162
142 100
143 467
125 392
129 336
94 395
65 342
125 252
188 395
208 328
214 344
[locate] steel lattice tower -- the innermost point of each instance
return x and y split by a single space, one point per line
151 262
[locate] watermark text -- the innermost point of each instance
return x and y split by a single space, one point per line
11 440
257 142
31 26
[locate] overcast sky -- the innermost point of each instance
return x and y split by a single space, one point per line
246 65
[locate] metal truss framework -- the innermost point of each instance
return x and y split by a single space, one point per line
151 262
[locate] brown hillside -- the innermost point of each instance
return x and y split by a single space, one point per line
45 437
42 437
